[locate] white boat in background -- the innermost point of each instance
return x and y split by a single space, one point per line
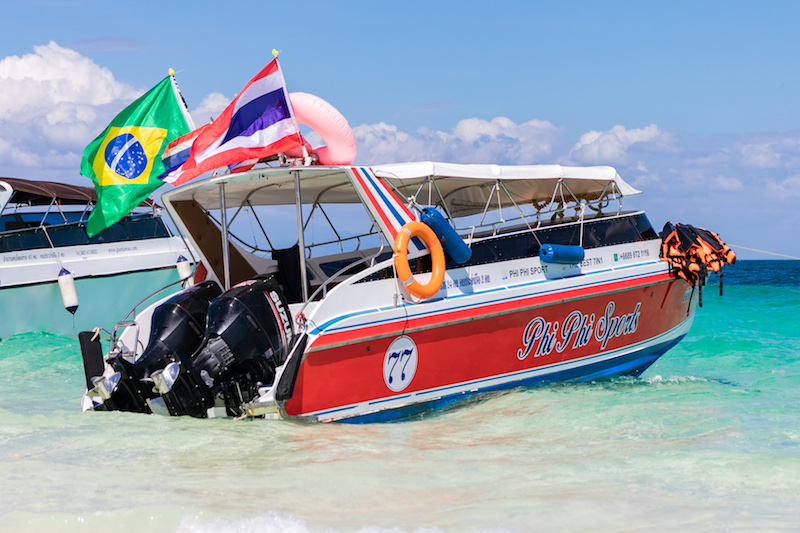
54 278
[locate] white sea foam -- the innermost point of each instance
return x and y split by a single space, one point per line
673 379
276 522
272 522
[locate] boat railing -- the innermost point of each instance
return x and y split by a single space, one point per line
254 248
357 238
115 344
323 288
151 295
500 202
547 214
129 320
519 242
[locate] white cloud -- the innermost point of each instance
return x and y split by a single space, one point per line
473 140
640 175
382 142
54 75
767 154
210 107
15 155
611 147
728 184
786 189
758 155
52 103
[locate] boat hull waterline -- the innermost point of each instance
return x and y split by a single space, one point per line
617 328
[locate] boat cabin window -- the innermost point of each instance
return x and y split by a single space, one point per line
68 235
597 233
32 239
25 233
143 228
521 243
23 220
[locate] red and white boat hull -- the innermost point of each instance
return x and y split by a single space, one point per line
372 368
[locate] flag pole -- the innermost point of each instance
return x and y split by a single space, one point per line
306 155
181 101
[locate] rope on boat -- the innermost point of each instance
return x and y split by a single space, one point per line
764 252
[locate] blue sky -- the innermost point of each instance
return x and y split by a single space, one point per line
695 103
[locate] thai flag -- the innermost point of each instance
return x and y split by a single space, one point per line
178 151
258 123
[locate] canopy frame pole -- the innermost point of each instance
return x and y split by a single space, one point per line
226 265
519 210
47 211
260 225
300 241
444 204
578 202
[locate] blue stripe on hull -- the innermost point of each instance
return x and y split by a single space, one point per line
632 364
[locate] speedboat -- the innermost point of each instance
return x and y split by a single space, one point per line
54 278
364 294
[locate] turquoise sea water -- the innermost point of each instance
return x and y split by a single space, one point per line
708 439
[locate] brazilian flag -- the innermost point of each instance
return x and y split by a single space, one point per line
124 161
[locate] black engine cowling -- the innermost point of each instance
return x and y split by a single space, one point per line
177 328
176 331
186 368
248 333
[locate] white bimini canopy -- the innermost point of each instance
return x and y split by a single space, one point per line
465 188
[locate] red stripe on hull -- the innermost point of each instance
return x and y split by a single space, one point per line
479 312
469 346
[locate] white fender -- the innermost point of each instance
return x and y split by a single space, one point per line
340 142
184 271
66 284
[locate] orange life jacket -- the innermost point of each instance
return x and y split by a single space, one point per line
692 251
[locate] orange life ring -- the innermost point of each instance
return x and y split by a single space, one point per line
406 233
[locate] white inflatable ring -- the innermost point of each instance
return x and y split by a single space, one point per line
340 142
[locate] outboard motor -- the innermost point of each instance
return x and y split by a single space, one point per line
247 336
178 328
176 332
